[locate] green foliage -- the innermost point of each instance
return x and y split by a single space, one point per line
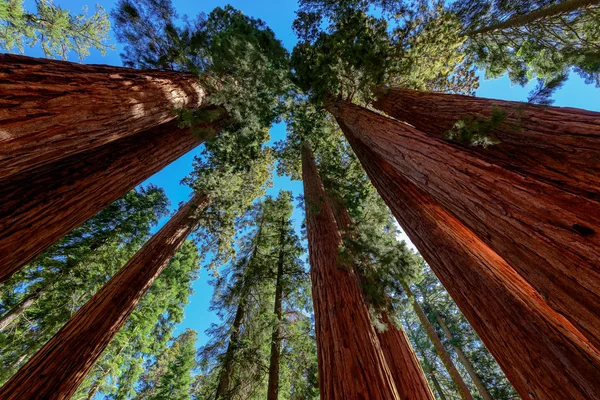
70 272
479 131
56 30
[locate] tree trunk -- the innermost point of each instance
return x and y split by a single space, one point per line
52 109
351 362
551 237
58 368
540 351
554 10
559 146
7 319
406 370
438 387
39 207
273 384
458 381
464 359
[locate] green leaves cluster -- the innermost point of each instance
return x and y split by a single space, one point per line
56 30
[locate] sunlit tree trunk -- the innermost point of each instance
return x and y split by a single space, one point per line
457 379
464 359
539 350
39 207
554 10
53 109
273 383
58 368
406 370
551 237
557 145
351 362
11 316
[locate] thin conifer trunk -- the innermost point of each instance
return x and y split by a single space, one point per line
27 302
52 109
273 383
464 359
351 362
539 350
548 235
554 10
60 366
460 384
557 145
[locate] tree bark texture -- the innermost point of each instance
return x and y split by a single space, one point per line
39 207
58 368
52 109
539 350
273 383
485 395
554 10
7 319
557 145
551 237
400 356
351 362
457 379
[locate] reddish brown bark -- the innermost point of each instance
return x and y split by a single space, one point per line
540 351
51 109
551 237
42 206
351 362
404 365
560 146
58 368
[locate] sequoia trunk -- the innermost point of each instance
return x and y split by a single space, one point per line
460 384
551 237
39 207
56 370
540 351
559 146
485 395
351 362
399 354
52 109
273 384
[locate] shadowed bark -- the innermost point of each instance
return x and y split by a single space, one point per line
52 109
540 351
550 237
58 368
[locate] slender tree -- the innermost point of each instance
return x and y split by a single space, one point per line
522 332
558 146
60 370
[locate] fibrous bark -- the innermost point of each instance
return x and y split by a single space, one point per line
52 109
483 392
557 145
551 237
540 351
58 368
351 362
457 379
41 206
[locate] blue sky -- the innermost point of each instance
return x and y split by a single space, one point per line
279 16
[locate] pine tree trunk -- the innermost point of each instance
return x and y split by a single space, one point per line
437 386
485 395
58 368
557 145
460 384
39 207
541 353
551 237
52 109
273 384
406 370
554 10
7 319
351 362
